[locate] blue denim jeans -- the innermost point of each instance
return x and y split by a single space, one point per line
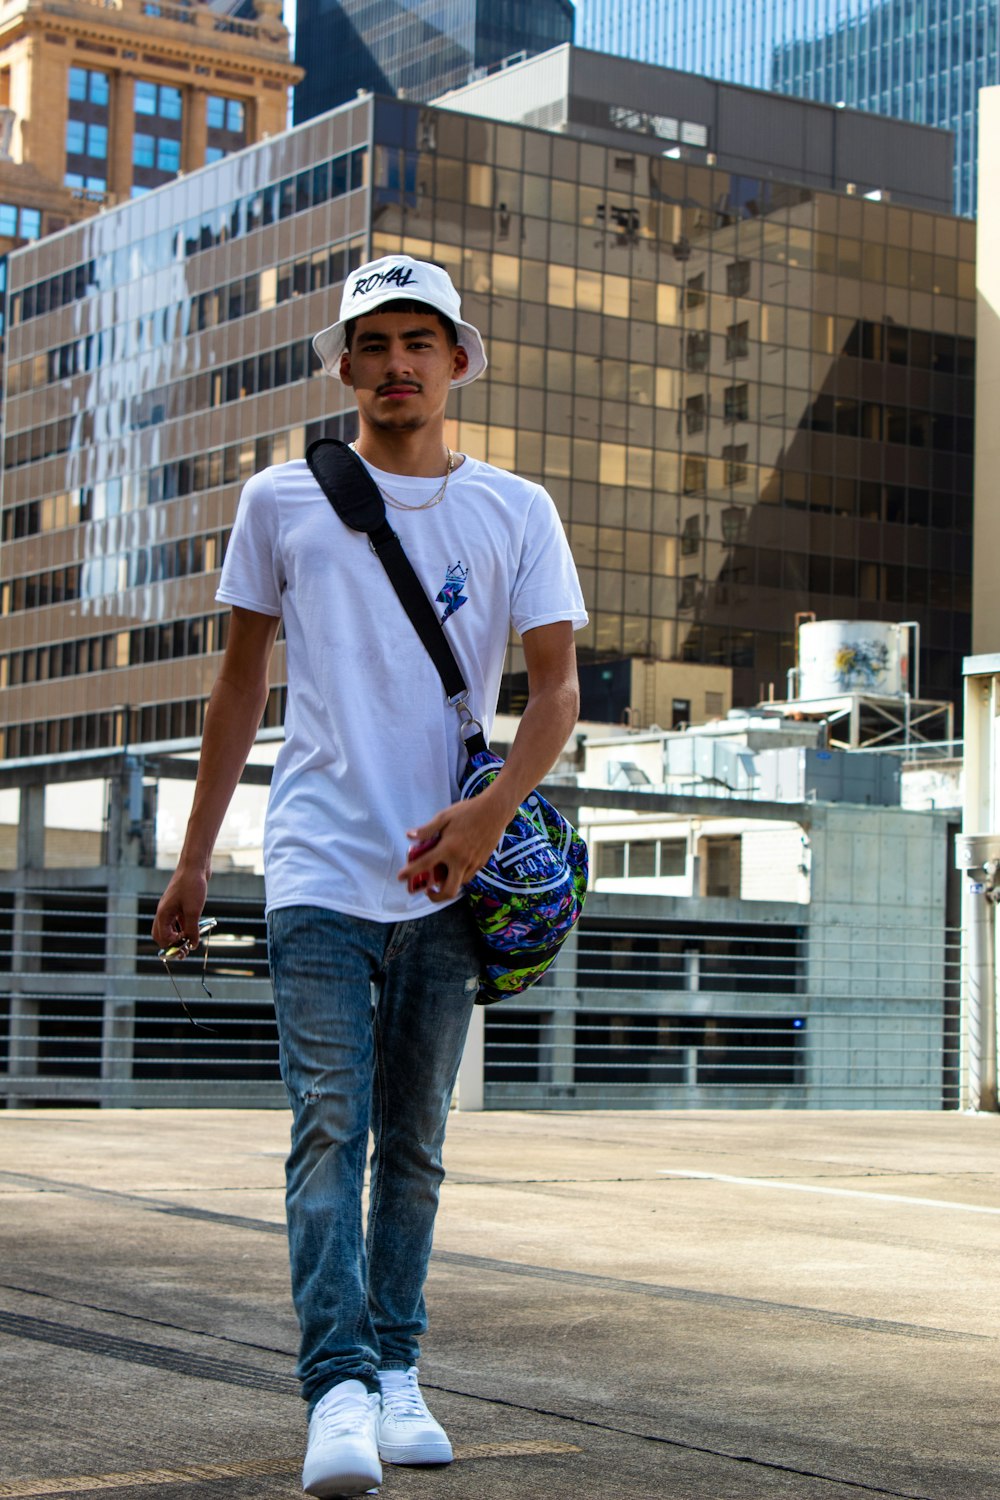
372 1019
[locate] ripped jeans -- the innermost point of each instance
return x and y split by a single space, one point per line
372 1019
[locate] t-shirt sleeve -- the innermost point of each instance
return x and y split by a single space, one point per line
546 588
252 574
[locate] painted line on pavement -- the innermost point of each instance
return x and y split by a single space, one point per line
82 1483
142 1478
810 1187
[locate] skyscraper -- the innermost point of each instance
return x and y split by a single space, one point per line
920 60
748 396
414 48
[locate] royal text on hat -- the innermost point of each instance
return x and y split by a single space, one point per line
387 280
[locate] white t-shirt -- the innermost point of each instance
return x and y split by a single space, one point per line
372 746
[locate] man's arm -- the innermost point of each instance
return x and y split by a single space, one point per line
470 831
232 719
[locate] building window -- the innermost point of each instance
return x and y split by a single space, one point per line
156 146
734 523
86 86
19 223
694 291
85 183
610 861
736 403
694 413
738 340
226 126
696 350
738 278
86 140
695 474
721 867
689 592
642 858
157 99
691 536
734 463
168 155
87 130
225 114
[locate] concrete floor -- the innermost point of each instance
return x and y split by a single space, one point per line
692 1305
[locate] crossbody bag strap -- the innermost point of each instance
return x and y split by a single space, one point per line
356 498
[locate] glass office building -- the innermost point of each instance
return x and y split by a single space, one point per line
417 48
748 398
921 60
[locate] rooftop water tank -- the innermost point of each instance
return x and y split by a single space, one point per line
853 656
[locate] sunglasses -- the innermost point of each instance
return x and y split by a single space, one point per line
180 950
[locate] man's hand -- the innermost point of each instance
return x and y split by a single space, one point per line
181 904
464 835
231 722
459 842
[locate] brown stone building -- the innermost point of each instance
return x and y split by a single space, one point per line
112 99
102 100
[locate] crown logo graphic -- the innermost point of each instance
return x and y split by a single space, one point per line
451 595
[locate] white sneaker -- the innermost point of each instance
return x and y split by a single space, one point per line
342 1456
407 1433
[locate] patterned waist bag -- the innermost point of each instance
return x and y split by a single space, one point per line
527 898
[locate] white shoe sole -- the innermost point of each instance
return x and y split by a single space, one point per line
326 1482
434 1451
340 1493
332 1487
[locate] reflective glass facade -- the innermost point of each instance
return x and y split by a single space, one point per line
921 60
747 399
416 48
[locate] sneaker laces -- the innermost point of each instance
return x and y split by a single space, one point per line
346 1413
401 1395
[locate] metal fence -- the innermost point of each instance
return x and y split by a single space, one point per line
643 1013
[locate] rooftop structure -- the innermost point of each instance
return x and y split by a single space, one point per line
919 63
633 106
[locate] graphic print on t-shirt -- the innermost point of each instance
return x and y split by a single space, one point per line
451 595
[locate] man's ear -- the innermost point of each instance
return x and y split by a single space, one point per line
345 369
460 362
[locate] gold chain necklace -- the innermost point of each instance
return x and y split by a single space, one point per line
435 499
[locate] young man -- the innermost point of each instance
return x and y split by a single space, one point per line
373 958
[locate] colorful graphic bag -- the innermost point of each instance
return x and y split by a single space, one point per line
527 898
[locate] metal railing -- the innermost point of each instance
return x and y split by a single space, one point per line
636 1013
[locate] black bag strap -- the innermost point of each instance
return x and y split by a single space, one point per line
356 498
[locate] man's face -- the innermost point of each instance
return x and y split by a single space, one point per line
400 366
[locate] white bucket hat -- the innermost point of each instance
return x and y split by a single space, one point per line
392 278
